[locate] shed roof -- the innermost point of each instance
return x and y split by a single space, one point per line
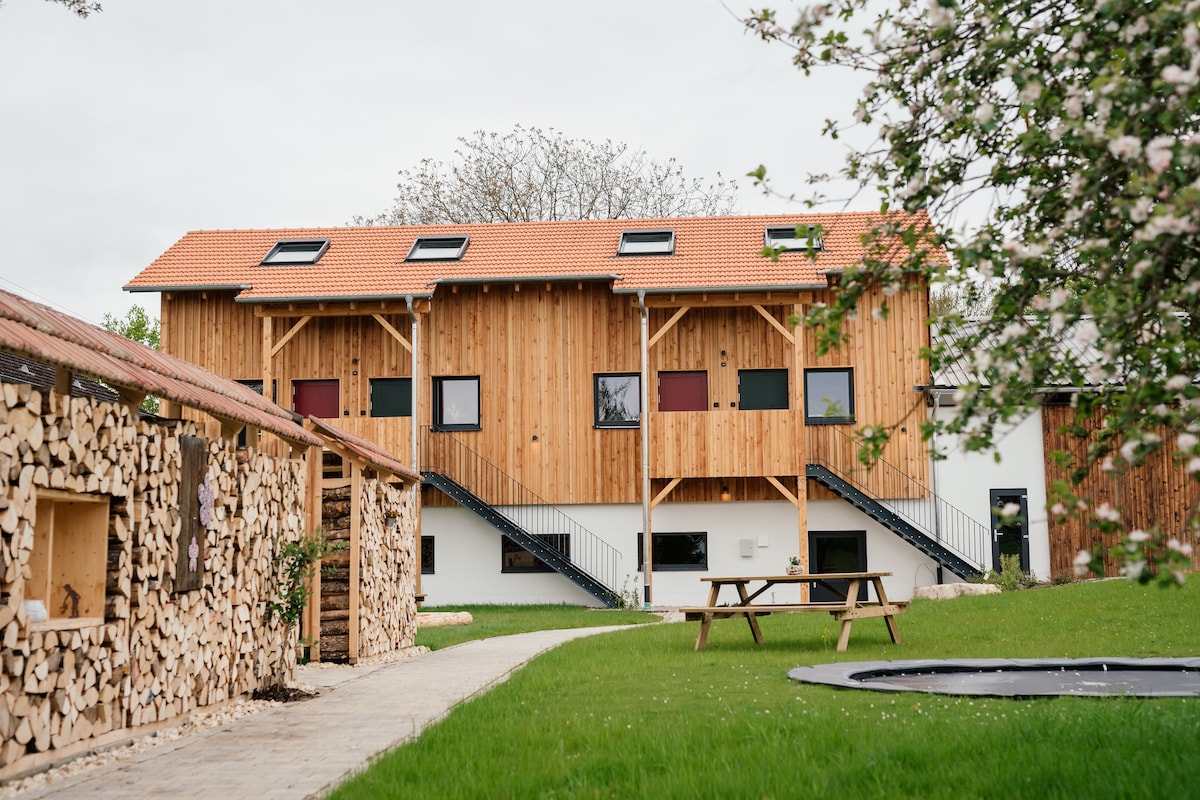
368 263
38 332
366 451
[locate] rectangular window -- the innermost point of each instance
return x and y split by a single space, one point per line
799 237
647 243
683 390
515 558
438 248
679 552
243 439
296 251
68 564
320 399
762 389
618 399
456 404
391 397
427 560
829 395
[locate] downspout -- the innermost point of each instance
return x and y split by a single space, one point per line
647 549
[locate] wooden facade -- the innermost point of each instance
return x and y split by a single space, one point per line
536 348
1158 493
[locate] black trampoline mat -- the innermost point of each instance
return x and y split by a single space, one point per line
995 677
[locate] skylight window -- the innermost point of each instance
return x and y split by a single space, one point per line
647 243
296 251
438 248
787 238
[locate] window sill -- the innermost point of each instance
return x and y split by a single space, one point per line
633 426
456 428
66 624
829 421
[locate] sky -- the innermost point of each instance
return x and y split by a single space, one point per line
121 132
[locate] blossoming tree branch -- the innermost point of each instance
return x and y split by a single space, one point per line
1056 146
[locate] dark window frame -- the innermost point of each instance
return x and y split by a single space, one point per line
439 424
784 238
423 249
633 241
774 372
846 419
389 379
673 566
306 251
428 551
509 547
623 423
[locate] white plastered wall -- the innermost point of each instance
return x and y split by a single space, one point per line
467 561
965 480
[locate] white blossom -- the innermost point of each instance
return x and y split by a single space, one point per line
1125 146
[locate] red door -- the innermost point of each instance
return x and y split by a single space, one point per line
683 391
316 399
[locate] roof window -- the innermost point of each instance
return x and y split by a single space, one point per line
438 248
647 243
296 251
794 238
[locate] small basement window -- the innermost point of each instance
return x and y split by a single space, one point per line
795 238
647 243
438 248
296 251
69 560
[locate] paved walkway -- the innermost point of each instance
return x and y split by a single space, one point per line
301 750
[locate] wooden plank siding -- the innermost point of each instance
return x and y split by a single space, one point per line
536 348
1159 493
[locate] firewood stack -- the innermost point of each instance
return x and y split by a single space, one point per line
145 653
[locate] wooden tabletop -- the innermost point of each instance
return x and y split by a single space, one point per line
804 578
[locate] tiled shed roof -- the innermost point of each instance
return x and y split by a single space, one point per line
367 263
34 331
362 449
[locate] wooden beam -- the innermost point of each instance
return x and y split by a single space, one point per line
783 490
670 487
791 339
731 300
287 337
131 397
355 559
678 315
268 359
355 309
395 334
62 381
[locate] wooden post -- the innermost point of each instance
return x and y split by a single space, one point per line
311 627
355 557
799 344
268 358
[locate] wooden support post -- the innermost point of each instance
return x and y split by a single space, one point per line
799 344
355 558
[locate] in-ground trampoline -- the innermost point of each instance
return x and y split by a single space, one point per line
1017 677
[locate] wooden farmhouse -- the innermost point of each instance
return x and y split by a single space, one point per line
139 554
565 387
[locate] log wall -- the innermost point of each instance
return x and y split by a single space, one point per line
149 654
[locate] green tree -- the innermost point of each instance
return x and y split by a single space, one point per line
82 8
1056 147
139 326
530 174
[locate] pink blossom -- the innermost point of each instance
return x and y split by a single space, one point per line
1107 513
1177 382
1138 536
1186 441
1160 153
1058 509
1082 563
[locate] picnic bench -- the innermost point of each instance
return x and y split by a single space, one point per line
846 610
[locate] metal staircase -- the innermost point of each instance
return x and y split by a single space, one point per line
520 515
904 506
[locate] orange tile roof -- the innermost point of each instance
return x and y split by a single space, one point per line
367 263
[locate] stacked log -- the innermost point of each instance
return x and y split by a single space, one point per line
387 567
154 654
335 575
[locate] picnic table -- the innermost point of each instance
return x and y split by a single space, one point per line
846 610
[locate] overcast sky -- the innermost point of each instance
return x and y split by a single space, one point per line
123 131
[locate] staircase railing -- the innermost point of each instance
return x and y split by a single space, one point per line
587 552
907 498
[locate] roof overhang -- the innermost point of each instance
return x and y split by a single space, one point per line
191 287
557 278
335 298
739 289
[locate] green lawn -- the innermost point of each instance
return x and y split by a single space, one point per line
491 621
638 713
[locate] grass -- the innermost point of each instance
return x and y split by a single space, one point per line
491 621
638 713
